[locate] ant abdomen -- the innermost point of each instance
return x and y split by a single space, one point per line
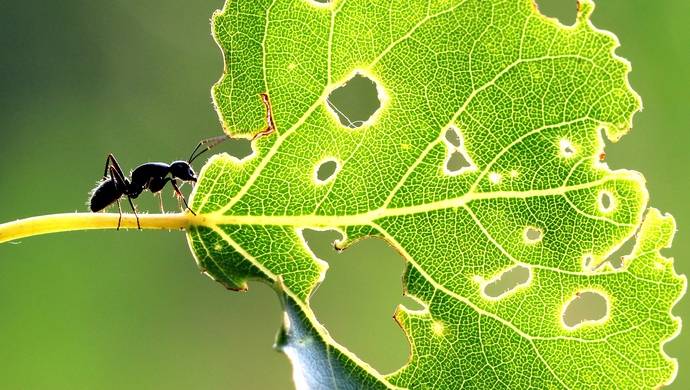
104 195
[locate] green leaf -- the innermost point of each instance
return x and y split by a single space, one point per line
530 102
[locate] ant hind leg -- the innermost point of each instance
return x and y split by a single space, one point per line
111 163
134 210
119 219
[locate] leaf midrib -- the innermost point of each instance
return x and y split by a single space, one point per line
314 220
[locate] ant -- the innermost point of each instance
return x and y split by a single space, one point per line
152 176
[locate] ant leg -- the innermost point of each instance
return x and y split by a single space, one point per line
207 143
115 175
177 197
119 219
120 182
108 164
111 162
135 212
180 196
160 198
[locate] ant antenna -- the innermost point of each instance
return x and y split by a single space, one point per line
207 144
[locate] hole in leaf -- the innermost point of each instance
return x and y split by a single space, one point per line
457 162
507 281
606 201
355 102
564 11
532 235
358 297
452 137
586 307
326 171
616 258
240 148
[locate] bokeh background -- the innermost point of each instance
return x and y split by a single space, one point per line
128 309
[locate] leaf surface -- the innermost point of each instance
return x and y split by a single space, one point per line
530 101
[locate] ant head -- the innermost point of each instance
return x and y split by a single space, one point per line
183 171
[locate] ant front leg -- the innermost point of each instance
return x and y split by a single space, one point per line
180 196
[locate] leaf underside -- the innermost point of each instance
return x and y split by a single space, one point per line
531 101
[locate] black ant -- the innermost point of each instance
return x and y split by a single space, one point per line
152 176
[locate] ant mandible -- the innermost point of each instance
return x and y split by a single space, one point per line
152 176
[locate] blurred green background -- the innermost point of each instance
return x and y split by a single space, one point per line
112 310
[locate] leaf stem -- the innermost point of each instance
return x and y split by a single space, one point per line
55 223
